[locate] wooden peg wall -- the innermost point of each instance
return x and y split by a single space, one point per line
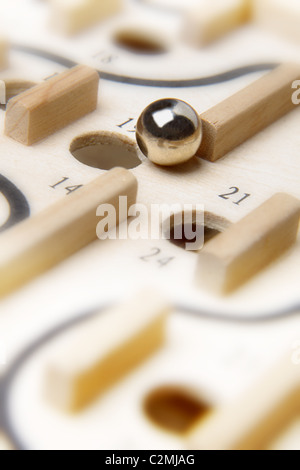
4 52
244 114
214 18
40 242
234 256
98 353
71 16
52 105
279 16
255 418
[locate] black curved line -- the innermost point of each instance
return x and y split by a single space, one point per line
196 82
45 55
261 317
19 207
7 381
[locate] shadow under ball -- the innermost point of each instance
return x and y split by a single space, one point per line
169 132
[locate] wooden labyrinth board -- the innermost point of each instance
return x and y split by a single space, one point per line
221 354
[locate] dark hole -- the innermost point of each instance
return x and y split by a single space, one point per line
138 42
209 233
174 409
213 226
105 151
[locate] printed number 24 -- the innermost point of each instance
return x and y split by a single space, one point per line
156 252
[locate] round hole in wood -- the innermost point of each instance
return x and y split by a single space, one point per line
105 150
213 226
140 42
174 409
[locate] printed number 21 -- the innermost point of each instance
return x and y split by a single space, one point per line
235 190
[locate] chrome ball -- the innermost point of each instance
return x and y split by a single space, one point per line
169 132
